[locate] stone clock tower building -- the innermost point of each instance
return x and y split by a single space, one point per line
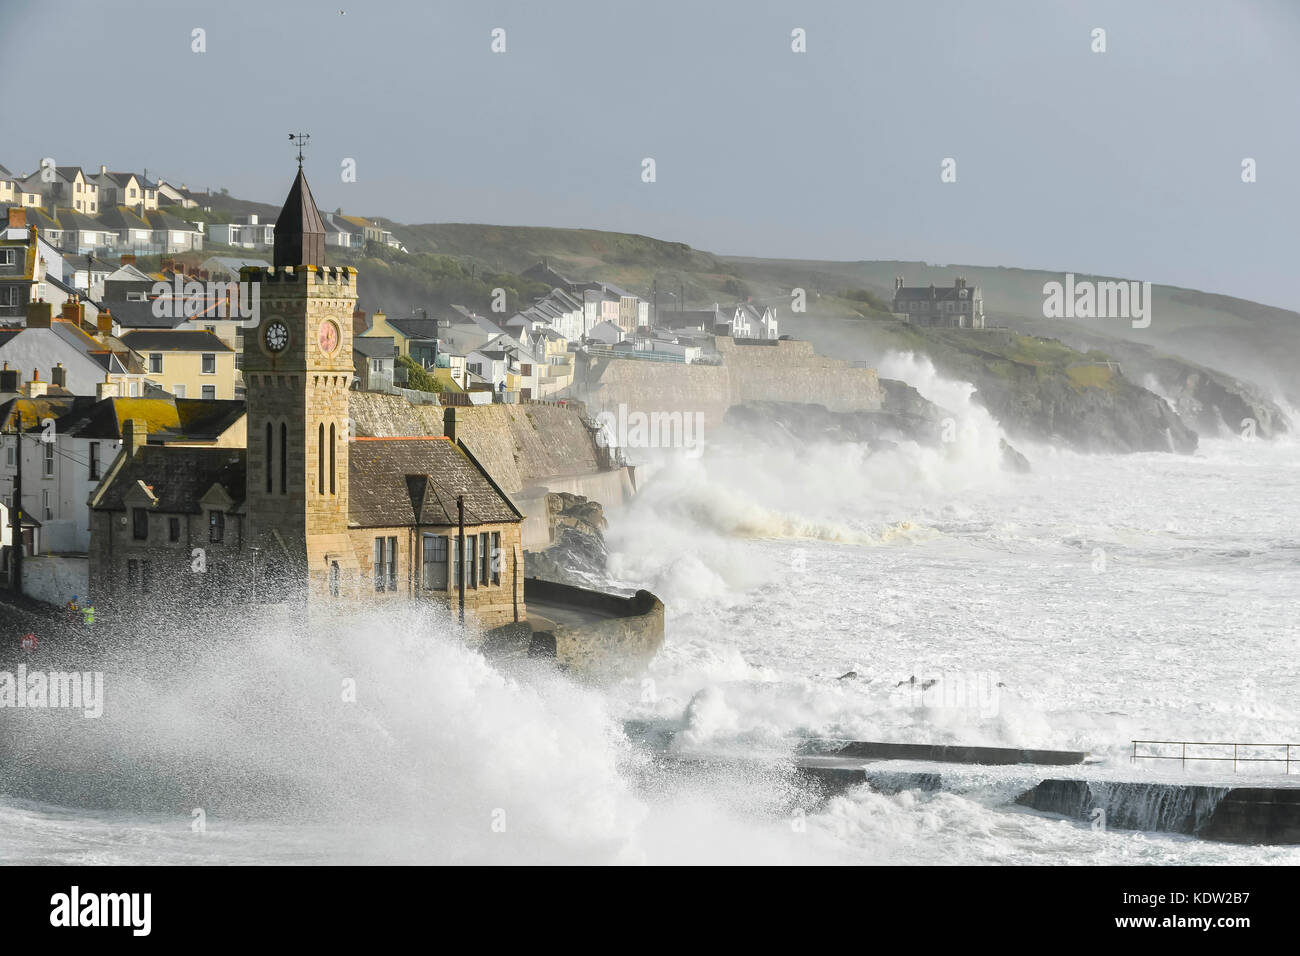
307 510
297 374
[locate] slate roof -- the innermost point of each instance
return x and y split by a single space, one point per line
542 272
122 217
71 219
134 314
377 346
174 340
168 419
380 497
179 477
28 412
942 293
416 328
300 232
163 220
232 265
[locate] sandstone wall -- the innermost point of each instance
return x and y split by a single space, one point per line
787 371
519 445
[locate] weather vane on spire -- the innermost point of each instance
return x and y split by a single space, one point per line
300 140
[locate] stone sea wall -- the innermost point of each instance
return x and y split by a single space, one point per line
785 371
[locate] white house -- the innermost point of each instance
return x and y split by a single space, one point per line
246 233
606 333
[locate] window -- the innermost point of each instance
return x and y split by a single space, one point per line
385 564
269 459
496 557
45 505
139 524
484 558
209 392
213 330
131 193
434 550
332 441
178 390
155 363
376 365
471 561
49 459
8 256
9 456
320 459
284 459
135 389
209 362
173 529
216 527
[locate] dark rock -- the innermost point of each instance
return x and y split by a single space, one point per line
577 553
1012 460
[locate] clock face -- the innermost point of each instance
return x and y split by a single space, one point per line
328 336
276 336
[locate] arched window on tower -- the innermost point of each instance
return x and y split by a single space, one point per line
270 455
332 446
284 458
320 459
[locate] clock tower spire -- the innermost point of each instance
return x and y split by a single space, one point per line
298 374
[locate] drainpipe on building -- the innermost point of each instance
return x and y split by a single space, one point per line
17 520
460 554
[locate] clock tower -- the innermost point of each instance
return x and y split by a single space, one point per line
297 376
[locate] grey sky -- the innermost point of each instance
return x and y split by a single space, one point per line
1125 163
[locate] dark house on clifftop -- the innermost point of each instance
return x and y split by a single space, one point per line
958 306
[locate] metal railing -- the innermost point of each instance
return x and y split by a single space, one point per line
632 354
1183 756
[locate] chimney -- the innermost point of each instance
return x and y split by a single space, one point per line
898 283
135 435
449 423
8 379
106 389
959 282
102 170
104 322
39 314
17 217
59 376
36 388
127 258
74 311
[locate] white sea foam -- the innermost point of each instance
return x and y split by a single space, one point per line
804 591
